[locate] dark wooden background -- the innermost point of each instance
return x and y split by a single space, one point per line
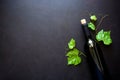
34 34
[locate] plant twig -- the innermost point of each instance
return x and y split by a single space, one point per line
100 22
81 53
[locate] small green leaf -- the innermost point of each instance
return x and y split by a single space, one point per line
91 25
104 36
107 38
93 18
71 44
73 57
100 35
73 52
75 60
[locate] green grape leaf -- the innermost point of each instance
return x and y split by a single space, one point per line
107 38
73 57
104 36
75 60
93 18
100 35
71 44
73 52
91 25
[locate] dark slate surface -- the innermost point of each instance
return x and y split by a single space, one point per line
34 34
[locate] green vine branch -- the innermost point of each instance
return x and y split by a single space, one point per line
73 54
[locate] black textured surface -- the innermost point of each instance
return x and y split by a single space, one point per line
34 34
